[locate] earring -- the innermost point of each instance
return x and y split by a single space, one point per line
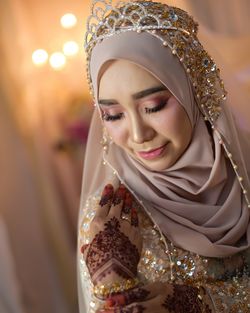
106 140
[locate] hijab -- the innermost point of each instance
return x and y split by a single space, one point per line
198 202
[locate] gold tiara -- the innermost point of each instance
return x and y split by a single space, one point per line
175 28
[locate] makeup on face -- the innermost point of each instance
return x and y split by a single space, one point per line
142 116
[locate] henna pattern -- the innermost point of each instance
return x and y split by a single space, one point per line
84 248
136 295
111 250
127 204
184 300
119 195
134 309
107 195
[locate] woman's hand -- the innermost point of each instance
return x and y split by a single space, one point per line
115 245
160 298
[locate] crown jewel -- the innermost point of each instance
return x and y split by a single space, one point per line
175 29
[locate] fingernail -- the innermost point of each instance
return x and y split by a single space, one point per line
83 248
107 194
110 302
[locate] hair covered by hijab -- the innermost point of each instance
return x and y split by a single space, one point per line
198 202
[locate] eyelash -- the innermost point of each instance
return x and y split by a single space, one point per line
111 118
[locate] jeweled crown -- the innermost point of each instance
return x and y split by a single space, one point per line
175 28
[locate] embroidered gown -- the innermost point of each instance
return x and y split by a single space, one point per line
226 280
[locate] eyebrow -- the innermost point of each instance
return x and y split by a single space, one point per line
136 96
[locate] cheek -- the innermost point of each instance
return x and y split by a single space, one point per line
118 133
174 124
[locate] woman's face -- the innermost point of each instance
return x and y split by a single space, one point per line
142 116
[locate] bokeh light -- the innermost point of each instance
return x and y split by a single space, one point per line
39 57
70 48
68 20
57 60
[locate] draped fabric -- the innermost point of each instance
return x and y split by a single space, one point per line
198 202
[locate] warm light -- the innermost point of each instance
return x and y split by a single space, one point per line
39 57
70 48
68 20
57 60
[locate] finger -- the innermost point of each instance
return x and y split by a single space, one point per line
105 202
134 217
84 250
126 209
118 200
133 308
139 294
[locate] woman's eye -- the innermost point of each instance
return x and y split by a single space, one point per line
156 108
108 117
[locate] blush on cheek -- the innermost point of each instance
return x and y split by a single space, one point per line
116 133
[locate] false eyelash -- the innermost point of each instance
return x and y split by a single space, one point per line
156 108
107 117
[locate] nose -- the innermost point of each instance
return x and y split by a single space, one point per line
140 131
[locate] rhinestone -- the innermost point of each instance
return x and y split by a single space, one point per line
213 68
173 16
86 226
92 304
205 62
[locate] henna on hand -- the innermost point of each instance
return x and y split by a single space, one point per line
107 195
136 308
185 299
128 297
112 251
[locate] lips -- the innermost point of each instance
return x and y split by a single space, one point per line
152 154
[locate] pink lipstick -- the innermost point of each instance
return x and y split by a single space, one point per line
152 154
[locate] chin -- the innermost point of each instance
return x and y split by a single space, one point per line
156 166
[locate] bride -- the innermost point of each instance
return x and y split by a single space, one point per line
164 215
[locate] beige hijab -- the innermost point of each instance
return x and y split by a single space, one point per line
198 202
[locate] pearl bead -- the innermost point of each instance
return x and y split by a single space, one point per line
165 43
240 179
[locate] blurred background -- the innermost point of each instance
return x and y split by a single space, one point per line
45 111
